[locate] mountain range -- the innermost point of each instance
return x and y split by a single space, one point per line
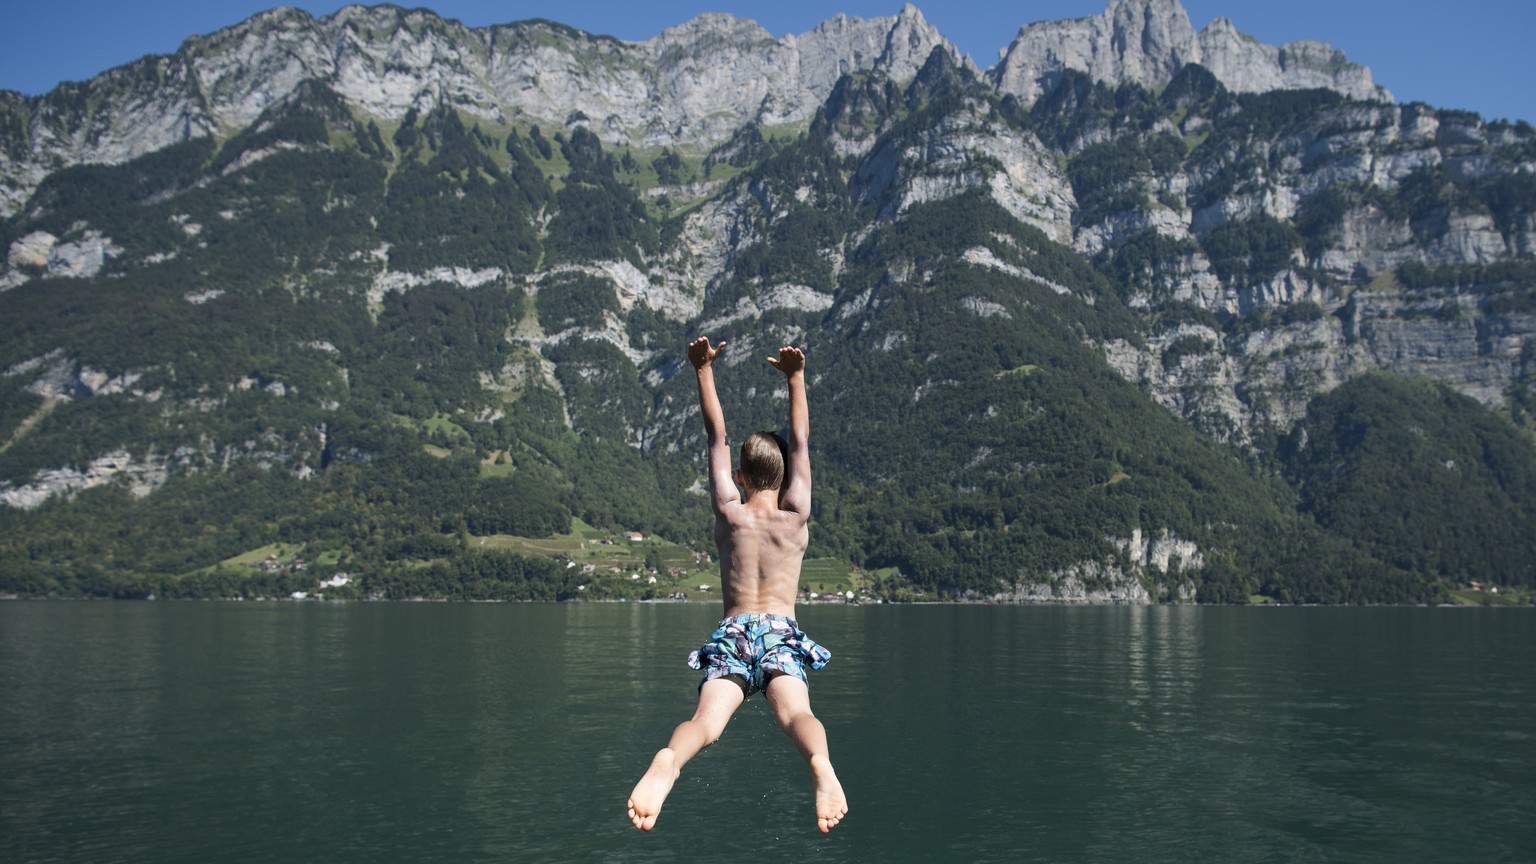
1139 313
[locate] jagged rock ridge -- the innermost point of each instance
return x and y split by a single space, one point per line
1147 42
693 84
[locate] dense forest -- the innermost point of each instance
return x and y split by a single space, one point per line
256 379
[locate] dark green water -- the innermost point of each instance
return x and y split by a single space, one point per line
167 732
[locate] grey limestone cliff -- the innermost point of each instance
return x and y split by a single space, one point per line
1336 309
693 84
1147 42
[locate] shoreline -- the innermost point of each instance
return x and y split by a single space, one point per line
1065 604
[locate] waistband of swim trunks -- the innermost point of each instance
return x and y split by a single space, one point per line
748 619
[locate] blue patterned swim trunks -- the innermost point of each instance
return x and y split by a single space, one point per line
755 647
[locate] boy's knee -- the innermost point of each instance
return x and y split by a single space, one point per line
791 719
711 732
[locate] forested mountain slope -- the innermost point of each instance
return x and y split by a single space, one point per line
1179 336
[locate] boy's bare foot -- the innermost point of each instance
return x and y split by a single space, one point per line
645 802
831 805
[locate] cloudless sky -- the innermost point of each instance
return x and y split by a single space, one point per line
1472 54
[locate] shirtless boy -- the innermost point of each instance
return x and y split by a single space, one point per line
761 539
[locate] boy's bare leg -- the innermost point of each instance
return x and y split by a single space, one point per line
718 700
791 703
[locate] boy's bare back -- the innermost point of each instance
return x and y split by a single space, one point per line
761 538
761 549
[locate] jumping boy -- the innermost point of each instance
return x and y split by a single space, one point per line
761 539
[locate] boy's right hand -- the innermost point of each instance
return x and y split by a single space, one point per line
700 354
789 361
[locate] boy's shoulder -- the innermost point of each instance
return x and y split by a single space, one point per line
743 514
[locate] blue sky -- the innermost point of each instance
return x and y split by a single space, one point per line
1473 54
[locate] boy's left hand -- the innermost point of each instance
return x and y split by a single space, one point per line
789 361
700 354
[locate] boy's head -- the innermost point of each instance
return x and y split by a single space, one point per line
762 461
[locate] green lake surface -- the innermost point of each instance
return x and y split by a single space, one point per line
370 732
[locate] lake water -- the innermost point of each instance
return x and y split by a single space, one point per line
168 732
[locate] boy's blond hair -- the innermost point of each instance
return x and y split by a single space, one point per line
762 461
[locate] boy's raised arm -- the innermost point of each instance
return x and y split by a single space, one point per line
796 492
722 487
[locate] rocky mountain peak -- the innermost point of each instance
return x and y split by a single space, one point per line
1147 42
909 42
712 26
